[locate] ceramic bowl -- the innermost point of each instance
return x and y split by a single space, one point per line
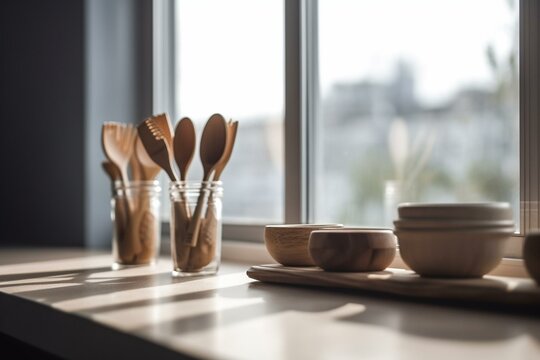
353 250
531 255
456 211
288 244
424 224
453 253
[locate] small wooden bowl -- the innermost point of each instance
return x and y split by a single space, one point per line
288 244
353 250
531 255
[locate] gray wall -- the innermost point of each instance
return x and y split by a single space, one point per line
66 66
42 113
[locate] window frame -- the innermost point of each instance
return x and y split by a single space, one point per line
301 111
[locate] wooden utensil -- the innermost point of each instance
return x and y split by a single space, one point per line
213 141
142 231
184 145
117 141
135 166
232 128
121 216
184 149
156 146
149 169
111 170
164 124
204 252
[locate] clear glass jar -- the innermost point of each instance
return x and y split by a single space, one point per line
199 254
136 223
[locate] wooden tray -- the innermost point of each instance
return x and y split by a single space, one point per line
518 293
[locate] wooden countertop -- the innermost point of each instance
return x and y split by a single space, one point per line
70 303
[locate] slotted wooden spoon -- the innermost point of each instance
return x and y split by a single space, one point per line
156 146
164 124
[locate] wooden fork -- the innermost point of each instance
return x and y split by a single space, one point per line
117 141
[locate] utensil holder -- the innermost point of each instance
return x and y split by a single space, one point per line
203 258
136 219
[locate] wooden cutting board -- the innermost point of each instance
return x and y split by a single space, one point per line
519 293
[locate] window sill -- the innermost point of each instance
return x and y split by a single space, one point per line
69 303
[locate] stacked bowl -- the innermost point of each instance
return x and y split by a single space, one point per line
453 240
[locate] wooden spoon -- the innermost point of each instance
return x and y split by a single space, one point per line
184 145
148 168
156 146
203 254
232 128
184 149
231 138
117 141
213 141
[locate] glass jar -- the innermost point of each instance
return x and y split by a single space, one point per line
136 223
196 252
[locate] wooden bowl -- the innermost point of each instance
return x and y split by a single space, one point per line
531 255
456 211
288 244
353 250
453 253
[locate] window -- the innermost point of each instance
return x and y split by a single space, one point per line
378 108
421 111
229 58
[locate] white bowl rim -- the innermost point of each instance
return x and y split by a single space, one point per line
355 231
467 205
421 222
308 226
443 231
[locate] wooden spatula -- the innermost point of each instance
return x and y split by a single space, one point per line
156 146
